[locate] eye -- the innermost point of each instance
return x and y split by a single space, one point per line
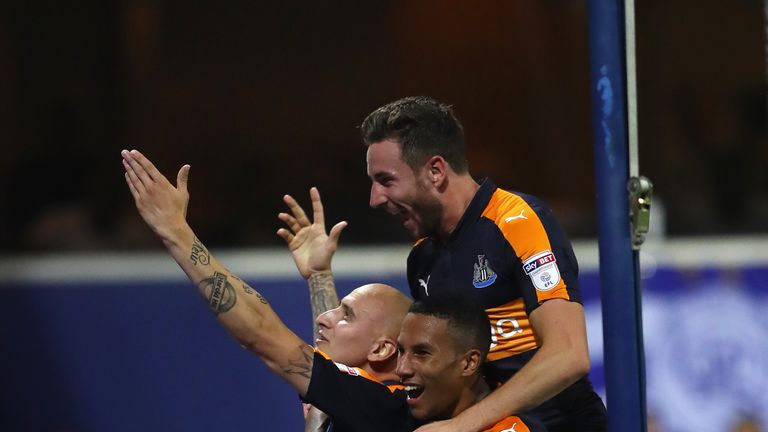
385 180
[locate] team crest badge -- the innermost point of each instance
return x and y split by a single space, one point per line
483 276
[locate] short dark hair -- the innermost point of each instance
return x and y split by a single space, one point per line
423 127
467 320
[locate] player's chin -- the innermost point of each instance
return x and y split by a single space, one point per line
323 345
419 409
413 228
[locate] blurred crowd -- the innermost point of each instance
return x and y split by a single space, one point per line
264 99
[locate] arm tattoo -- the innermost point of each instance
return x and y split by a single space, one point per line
220 293
248 290
261 298
302 363
322 296
199 253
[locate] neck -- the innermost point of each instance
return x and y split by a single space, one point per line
460 191
472 394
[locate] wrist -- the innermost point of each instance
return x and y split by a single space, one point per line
176 235
319 274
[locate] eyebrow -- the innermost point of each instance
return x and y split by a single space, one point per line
421 346
348 310
382 175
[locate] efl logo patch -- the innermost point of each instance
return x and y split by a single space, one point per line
543 271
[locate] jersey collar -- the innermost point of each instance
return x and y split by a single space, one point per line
474 210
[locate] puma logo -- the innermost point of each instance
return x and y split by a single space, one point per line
512 429
425 284
520 216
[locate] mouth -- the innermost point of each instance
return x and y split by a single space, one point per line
413 391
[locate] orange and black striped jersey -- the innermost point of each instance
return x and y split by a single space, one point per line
509 255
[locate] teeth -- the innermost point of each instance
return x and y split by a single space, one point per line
412 391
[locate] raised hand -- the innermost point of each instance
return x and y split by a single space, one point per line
312 248
162 206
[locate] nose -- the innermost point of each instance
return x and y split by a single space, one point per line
325 320
377 196
330 318
404 370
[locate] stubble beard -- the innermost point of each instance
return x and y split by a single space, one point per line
430 212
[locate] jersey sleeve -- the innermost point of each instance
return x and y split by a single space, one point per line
355 400
546 265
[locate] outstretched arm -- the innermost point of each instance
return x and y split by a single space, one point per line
312 250
244 312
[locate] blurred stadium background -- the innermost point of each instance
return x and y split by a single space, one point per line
99 331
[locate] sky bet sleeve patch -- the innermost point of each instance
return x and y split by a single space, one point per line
543 271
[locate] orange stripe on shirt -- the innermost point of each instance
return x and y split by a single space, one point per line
511 331
524 231
509 424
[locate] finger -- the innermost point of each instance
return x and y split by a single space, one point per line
285 235
336 231
317 207
148 166
182 177
138 170
290 221
297 211
135 181
133 190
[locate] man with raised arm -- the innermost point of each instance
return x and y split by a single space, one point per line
501 249
358 331
360 334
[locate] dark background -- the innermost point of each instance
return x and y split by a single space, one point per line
264 98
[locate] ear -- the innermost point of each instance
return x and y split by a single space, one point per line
382 350
472 361
437 169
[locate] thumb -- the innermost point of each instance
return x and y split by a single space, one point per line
336 231
182 177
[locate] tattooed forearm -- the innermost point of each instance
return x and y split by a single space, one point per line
301 364
199 253
220 293
261 297
322 292
322 295
248 290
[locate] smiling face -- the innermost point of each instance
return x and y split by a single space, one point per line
430 367
402 191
